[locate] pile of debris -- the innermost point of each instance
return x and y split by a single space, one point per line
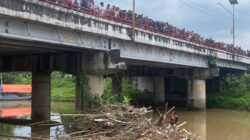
124 122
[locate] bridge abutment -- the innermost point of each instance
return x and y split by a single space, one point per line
41 97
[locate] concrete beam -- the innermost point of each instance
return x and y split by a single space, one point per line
196 73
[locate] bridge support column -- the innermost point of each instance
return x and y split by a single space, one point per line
144 83
41 97
96 85
117 85
80 101
197 94
159 89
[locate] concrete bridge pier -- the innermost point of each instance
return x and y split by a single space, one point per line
117 85
89 78
41 97
93 86
96 85
80 100
196 98
143 83
159 90
197 94
152 84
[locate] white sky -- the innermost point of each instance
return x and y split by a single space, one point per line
205 17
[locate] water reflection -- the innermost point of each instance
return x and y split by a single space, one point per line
215 124
228 125
197 122
15 109
22 110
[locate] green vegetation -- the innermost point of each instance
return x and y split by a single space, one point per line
212 60
128 92
16 78
236 95
63 88
62 85
63 107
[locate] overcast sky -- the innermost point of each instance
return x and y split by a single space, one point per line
205 17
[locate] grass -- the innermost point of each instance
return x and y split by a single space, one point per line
63 89
229 100
63 107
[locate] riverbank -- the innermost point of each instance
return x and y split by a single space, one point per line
229 100
63 89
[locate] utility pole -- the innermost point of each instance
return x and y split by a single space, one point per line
233 28
133 21
233 2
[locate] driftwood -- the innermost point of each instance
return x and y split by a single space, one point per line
121 122
44 122
182 124
163 117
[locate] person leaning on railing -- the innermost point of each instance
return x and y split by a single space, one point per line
117 14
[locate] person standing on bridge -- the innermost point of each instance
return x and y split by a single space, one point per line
78 3
102 9
87 4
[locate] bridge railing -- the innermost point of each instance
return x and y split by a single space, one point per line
142 25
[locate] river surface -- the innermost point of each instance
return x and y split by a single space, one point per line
215 124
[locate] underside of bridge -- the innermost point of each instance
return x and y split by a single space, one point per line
159 73
158 82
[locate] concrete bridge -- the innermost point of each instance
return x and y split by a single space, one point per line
40 38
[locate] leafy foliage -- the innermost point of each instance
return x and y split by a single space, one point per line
16 78
212 60
128 92
237 84
236 95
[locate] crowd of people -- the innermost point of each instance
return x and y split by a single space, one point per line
126 16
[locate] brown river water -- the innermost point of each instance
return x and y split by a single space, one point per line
214 124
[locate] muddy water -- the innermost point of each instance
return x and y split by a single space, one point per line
215 124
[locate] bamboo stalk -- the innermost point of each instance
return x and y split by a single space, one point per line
180 125
41 122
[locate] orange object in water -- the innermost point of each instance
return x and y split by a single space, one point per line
14 112
16 88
